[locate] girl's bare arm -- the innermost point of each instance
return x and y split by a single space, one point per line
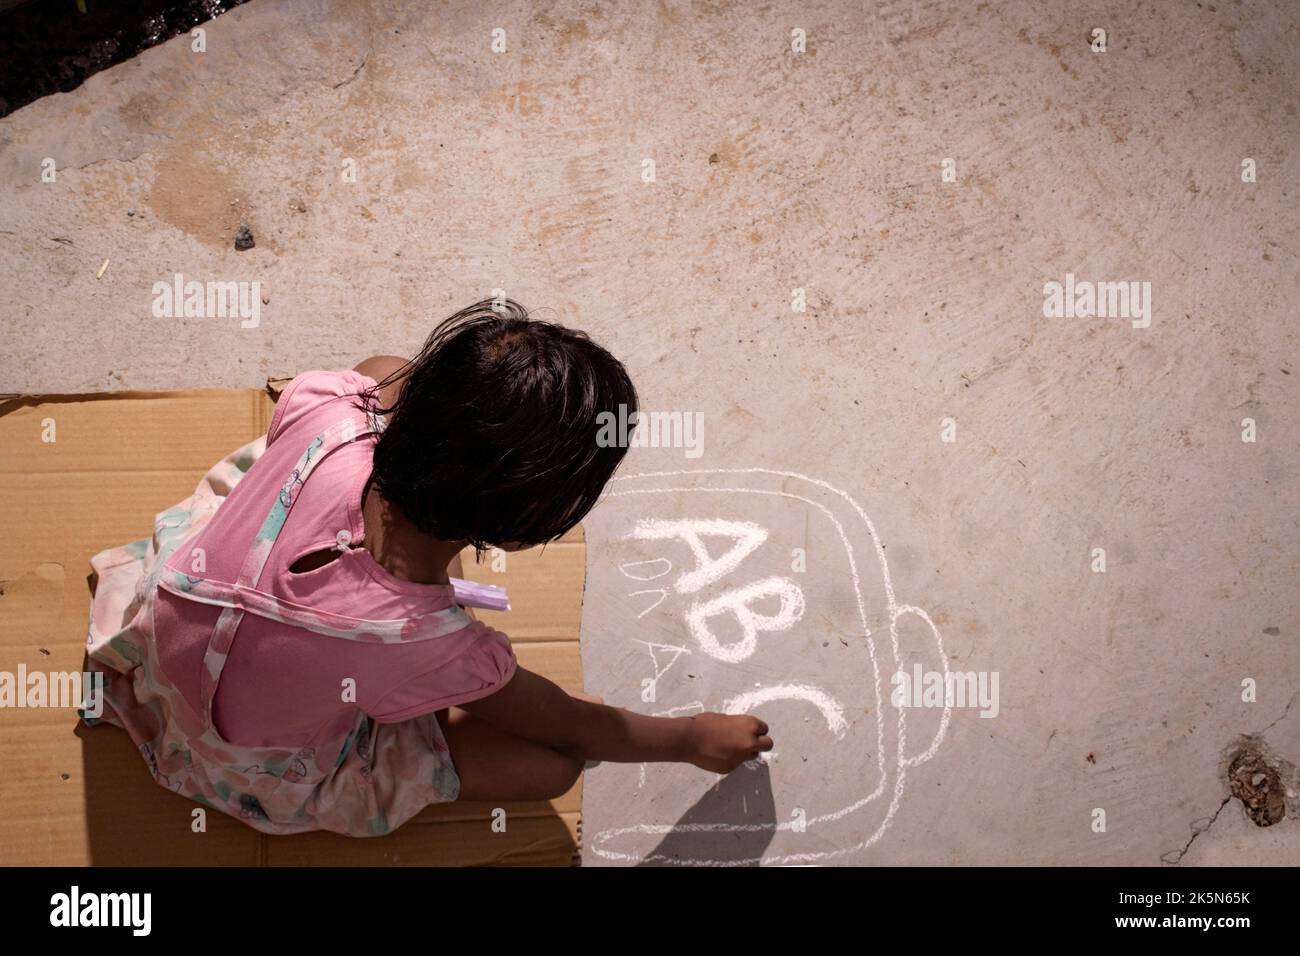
532 707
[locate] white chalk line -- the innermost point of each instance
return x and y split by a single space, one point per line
659 591
662 592
895 610
748 536
649 577
737 601
652 645
830 708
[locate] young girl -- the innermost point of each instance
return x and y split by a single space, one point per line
292 645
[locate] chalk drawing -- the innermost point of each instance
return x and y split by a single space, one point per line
659 591
747 537
708 569
839 508
651 646
647 577
828 705
737 601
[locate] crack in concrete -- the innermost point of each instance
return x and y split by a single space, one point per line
1165 858
1174 857
96 162
1260 733
355 73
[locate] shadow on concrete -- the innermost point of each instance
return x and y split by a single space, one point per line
743 798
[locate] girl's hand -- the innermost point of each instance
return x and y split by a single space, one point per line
722 742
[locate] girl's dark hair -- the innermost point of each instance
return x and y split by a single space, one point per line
493 438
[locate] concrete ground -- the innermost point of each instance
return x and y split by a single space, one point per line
991 448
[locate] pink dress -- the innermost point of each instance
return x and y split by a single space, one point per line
294 700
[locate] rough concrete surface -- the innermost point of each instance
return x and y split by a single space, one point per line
777 171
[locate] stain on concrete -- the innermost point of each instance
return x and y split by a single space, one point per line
196 195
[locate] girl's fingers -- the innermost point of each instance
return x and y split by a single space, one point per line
765 743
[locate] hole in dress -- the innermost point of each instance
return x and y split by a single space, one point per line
314 560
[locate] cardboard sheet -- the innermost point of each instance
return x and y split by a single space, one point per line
73 796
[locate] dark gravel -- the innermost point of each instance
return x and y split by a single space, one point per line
50 46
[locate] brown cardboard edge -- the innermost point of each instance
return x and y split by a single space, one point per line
12 401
